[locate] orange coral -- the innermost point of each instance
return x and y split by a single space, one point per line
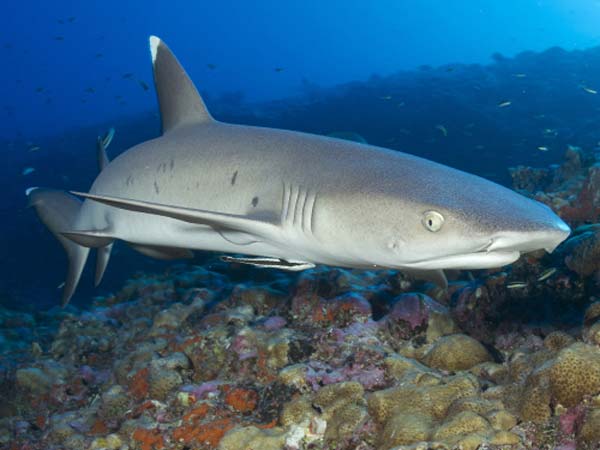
196 413
242 400
139 385
149 439
139 410
264 372
181 347
99 427
41 421
323 313
266 426
209 433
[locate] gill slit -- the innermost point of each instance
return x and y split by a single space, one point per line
297 208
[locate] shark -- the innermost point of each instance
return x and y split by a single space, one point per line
284 199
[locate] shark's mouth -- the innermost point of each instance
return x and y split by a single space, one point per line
476 260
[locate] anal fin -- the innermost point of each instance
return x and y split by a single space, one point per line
271 263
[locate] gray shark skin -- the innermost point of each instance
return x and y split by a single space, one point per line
288 200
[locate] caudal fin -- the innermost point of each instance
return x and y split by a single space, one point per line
58 210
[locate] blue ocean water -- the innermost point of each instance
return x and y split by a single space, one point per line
424 77
210 352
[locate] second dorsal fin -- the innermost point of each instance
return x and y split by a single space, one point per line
179 101
101 146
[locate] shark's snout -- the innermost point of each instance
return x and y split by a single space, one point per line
546 236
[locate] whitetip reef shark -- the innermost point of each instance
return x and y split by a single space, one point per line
286 199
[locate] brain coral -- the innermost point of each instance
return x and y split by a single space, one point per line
456 352
575 373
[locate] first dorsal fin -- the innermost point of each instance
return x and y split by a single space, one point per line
178 100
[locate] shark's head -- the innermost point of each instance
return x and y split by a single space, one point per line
440 218
476 234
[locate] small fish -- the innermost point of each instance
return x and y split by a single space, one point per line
278 69
99 55
61 285
520 75
211 66
143 85
516 285
443 129
127 75
547 273
108 137
59 38
39 89
36 349
589 90
90 90
71 19
35 148
542 148
386 97
28 170
61 21
504 104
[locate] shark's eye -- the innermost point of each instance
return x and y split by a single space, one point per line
433 221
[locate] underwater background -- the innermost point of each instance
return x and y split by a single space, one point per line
179 355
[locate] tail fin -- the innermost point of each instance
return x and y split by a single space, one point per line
58 210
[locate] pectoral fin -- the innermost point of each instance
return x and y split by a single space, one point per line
217 220
271 263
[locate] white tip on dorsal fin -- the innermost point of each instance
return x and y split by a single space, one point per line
178 100
154 41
